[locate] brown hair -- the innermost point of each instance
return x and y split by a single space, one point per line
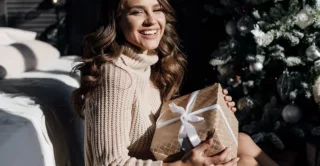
106 43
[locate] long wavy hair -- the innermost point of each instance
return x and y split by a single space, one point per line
106 43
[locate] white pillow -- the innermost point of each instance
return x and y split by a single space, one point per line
5 39
11 35
25 56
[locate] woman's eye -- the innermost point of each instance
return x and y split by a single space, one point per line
158 10
136 12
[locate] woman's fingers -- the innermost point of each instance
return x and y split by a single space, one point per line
230 103
231 162
220 157
227 98
201 148
225 92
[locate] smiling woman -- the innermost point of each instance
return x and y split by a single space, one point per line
130 64
143 24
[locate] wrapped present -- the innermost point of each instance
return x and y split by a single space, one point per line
188 120
312 154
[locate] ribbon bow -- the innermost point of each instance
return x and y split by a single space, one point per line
187 129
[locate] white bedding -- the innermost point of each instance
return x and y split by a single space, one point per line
24 138
38 126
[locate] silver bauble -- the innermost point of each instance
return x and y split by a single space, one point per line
291 113
256 67
245 24
313 52
284 85
225 70
304 18
245 104
231 27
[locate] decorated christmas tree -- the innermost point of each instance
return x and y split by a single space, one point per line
270 63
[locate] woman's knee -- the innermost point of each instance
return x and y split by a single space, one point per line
246 160
243 137
247 146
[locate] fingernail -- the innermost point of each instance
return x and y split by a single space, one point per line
238 158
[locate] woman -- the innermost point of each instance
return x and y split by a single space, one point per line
131 64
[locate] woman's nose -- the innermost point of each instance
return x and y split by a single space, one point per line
150 20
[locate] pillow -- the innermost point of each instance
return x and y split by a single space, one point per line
25 56
11 35
5 39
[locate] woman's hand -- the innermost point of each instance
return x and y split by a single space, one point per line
196 157
230 103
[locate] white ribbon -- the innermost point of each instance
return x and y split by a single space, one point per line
187 129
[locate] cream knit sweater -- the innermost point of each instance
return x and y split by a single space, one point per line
119 125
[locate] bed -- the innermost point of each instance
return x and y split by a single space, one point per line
38 126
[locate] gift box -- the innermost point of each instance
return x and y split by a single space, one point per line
312 154
188 120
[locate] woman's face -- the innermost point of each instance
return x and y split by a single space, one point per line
143 23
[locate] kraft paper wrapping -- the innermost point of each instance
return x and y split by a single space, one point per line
165 145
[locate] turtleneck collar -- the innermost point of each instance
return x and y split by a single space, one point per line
140 61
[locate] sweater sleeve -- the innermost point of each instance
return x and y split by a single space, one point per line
108 122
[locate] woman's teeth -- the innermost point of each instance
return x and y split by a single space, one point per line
151 32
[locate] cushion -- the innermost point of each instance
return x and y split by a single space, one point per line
11 35
24 56
5 39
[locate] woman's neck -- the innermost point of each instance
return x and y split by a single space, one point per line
137 50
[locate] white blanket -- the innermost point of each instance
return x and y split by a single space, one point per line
38 126
24 138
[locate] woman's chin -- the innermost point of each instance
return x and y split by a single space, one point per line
150 47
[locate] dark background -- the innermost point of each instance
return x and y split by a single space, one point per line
198 40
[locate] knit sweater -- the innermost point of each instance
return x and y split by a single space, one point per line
120 123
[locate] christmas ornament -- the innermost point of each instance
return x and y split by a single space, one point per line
313 52
316 91
231 27
304 18
245 104
245 24
225 70
256 14
256 67
284 85
291 113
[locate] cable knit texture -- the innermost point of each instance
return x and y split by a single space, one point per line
121 122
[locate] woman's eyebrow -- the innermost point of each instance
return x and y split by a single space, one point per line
143 7
136 6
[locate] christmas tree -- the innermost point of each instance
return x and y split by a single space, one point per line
270 63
